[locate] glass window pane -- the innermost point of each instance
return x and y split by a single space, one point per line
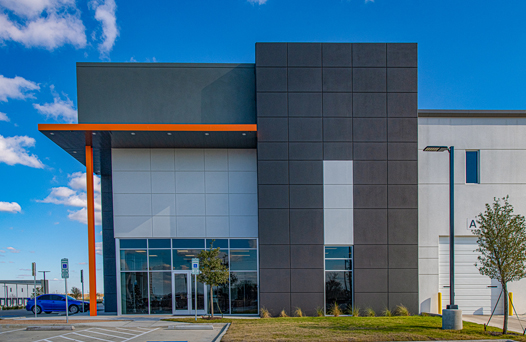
337 265
160 259
221 243
188 243
337 252
160 293
183 258
134 292
220 299
200 294
244 292
132 260
338 289
243 243
159 243
243 259
472 163
181 291
133 243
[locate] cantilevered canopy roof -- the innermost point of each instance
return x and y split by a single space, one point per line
73 138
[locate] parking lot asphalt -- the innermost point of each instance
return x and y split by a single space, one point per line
135 333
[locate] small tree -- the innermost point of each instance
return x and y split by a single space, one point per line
213 271
75 292
502 246
38 291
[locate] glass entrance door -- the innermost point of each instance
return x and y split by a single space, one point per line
183 298
181 288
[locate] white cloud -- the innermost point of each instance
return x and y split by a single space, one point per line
105 13
12 151
59 109
13 250
12 207
83 263
259 2
98 248
3 117
2 251
75 196
16 88
42 23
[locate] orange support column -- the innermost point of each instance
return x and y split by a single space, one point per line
91 233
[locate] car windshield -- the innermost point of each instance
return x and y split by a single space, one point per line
71 298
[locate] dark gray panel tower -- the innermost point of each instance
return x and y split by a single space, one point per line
334 101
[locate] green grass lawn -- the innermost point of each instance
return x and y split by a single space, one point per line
412 328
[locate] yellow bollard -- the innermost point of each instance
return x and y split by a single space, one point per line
440 303
510 304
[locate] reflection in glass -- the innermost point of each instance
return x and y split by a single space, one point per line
200 295
221 243
181 291
243 259
160 293
160 259
133 243
336 265
338 252
159 243
133 260
188 243
134 292
183 258
244 292
338 289
220 299
243 243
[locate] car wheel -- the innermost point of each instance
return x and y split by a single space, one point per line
38 308
73 309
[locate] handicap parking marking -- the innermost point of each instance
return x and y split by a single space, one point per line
98 334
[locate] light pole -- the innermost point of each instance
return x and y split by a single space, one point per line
45 285
452 318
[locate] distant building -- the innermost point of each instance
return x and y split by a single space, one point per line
16 292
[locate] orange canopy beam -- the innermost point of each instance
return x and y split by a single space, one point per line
150 127
91 233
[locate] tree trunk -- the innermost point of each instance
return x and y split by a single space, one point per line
506 309
212 301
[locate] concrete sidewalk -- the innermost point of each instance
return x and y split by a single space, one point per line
497 321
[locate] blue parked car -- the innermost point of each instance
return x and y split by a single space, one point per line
56 302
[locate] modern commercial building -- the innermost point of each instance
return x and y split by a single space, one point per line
304 168
17 292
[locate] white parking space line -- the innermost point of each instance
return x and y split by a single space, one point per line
5 332
87 334
97 338
131 330
120 332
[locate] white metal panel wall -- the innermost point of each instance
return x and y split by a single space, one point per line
502 146
185 192
338 202
475 294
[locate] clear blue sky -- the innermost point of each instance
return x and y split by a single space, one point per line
471 56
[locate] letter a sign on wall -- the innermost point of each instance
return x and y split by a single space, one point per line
472 224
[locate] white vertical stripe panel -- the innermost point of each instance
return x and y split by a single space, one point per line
338 202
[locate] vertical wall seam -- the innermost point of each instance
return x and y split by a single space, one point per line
387 167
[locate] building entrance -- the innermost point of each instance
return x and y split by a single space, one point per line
183 298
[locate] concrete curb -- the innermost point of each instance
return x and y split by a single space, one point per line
191 327
222 333
50 327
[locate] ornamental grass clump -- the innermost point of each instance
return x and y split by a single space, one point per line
283 313
319 311
387 312
401 310
354 311
335 310
298 313
264 313
369 312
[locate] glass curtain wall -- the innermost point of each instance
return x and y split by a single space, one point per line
338 277
146 275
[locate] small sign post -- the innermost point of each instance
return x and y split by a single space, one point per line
82 282
195 272
34 270
65 275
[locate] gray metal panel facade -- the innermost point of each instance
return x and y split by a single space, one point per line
166 93
330 101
